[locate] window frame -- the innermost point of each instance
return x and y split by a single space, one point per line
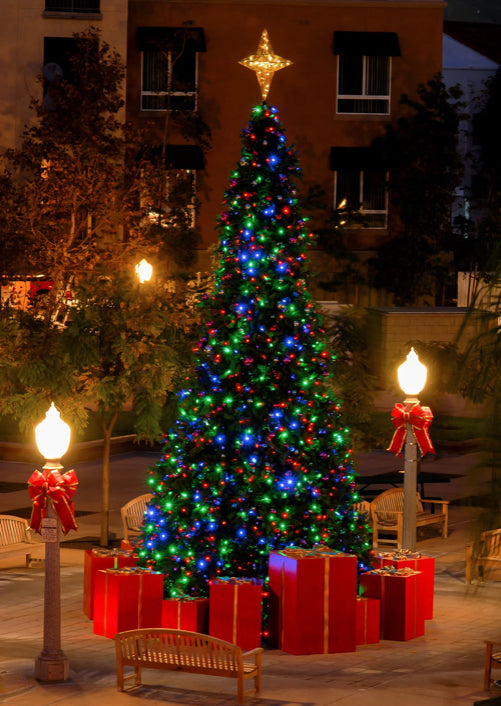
172 93
337 199
77 7
364 97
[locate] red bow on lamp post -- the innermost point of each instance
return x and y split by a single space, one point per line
420 419
50 484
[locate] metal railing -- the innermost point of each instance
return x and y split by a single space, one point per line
77 6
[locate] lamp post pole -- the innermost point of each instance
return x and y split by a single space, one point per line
52 664
49 486
410 483
411 377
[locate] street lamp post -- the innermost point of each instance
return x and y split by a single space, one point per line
412 378
47 489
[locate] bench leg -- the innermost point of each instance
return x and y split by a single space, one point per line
240 688
120 675
445 527
488 666
257 682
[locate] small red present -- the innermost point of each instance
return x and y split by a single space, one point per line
131 547
312 601
401 603
235 611
406 559
97 560
186 613
127 599
368 620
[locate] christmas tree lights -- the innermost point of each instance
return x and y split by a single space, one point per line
259 458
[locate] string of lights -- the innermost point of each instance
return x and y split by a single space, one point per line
259 458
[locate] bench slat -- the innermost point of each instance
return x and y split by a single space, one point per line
15 538
485 556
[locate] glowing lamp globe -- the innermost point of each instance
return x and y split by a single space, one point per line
52 435
412 374
144 271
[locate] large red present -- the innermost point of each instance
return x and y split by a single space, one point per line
312 601
401 604
127 599
235 611
97 560
406 559
368 620
186 613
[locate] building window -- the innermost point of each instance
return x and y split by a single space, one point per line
360 187
364 71
173 204
57 66
74 6
169 70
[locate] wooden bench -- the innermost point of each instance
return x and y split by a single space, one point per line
184 651
387 512
483 557
16 539
133 515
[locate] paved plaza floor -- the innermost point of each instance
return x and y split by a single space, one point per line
445 666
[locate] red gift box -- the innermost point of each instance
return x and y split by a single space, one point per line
131 547
312 601
127 599
404 559
401 604
368 621
186 614
97 560
235 611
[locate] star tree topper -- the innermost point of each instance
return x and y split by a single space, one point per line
264 62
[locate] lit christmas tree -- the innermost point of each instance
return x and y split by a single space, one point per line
259 458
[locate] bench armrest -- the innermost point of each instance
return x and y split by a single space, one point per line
257 651
443 503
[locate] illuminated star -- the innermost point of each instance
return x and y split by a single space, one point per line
264 62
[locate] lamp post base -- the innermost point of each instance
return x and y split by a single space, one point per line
52 666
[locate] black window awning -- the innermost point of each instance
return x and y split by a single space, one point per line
367 43
171 38
179 156
356 159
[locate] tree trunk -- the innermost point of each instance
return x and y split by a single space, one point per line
105 486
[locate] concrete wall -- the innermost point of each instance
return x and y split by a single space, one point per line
23 26
304 93
389 333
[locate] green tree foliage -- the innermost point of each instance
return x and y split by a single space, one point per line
353 379
480 381
80 206
486 186
425 169
259 457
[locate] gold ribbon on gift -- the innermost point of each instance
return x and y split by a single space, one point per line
105 600
140 601
235 608
326 603
365 603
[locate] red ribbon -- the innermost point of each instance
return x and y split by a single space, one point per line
59 488
420 419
